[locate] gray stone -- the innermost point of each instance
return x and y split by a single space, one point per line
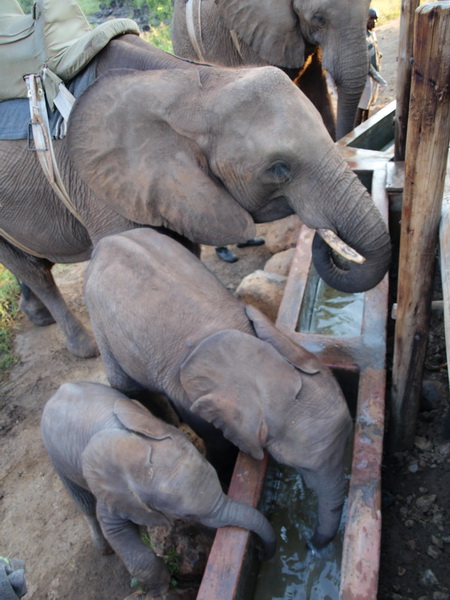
424 503
429 578
422 443
433 551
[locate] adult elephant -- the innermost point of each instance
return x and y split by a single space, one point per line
284 34
201 151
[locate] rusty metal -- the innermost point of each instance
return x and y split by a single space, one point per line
363 354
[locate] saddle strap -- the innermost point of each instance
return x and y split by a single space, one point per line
190 24
43 141
196 42
14 242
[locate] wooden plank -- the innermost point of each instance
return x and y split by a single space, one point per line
444 237
405 52
425 165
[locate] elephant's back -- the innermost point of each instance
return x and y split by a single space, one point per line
71 417
148 269
151 301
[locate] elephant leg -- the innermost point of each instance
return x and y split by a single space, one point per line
36 274
33 308
141 562
87 504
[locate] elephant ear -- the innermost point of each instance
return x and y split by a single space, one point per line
295 354
134 138
232 378
117 467
136 417
271 29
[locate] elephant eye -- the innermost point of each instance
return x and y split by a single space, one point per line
318 21
279 172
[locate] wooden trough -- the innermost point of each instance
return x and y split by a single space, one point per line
361 355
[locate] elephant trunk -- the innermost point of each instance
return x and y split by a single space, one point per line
330 488
357 222
227 512
348 63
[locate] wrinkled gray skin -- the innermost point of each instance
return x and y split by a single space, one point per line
202 151
280 33
124 468
164 323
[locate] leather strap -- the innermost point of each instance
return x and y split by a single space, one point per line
190 24
43 141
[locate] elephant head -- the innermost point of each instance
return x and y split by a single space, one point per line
284 401
278 32
206 151
155 480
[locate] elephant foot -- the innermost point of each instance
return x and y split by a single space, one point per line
36 311
82 345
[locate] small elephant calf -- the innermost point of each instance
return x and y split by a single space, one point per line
124 468
164 323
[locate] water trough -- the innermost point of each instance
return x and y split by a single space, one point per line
355 349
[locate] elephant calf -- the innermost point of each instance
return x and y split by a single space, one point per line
124 468
164 323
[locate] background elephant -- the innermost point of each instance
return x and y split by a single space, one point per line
201 151
164 323
284 34
125 468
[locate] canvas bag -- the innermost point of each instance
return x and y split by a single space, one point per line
56 34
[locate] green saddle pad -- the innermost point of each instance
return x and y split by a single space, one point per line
55 34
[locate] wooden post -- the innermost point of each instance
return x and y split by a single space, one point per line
404 66
426 160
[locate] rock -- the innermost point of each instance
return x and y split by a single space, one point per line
413 467
283 234
280 263
444 449
193 438
264 291
184 546
424 503
422 443
433 392
441 596
429 578
437 542
433 551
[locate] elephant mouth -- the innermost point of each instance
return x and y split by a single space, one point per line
339 246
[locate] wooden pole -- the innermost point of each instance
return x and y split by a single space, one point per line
426 160
404 66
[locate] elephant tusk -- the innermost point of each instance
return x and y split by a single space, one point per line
339 246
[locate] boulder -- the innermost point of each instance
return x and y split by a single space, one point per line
264 291
283 234
280 263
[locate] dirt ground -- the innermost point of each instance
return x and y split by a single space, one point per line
39 523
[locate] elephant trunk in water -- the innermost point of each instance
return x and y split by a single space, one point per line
330 488
354 218
227 512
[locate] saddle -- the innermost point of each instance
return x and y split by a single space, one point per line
57 35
